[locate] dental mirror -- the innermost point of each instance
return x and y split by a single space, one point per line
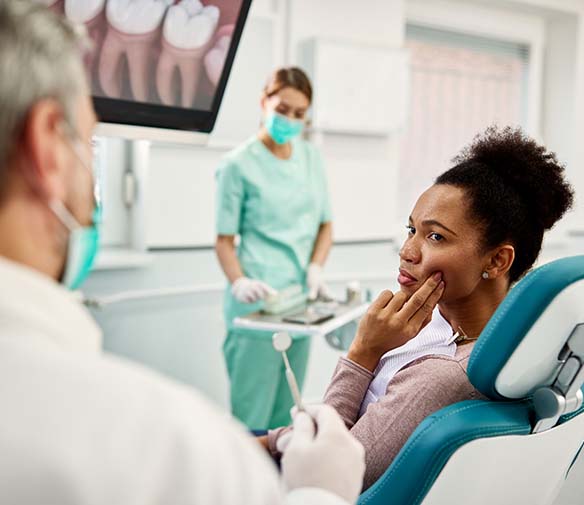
282 342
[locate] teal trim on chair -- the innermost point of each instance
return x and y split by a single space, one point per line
571 415
508 325
418 464
574 459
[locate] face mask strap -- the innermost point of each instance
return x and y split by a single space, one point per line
64 215
76 144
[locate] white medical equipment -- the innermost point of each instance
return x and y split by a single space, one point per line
342 314
282 342
285 299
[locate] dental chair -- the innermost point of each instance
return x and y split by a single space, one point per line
519 446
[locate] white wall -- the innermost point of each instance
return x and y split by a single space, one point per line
180 199
575 170
182 177
563 98
182 336
560 118
355 159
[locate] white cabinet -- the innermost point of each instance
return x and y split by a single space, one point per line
358 89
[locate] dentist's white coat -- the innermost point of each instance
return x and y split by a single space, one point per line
81 427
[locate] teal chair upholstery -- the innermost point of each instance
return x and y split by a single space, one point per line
518 446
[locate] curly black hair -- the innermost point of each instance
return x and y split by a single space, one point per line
516 188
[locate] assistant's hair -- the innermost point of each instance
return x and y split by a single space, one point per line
516 191
289 77
40 57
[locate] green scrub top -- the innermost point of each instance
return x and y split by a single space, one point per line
276 207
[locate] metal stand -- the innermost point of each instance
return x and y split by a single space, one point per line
565 394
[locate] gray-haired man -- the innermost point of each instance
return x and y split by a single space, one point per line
79 426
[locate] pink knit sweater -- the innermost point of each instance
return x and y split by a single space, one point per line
416 391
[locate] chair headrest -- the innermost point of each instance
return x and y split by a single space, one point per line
518 350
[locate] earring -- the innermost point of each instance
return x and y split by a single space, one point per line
485 275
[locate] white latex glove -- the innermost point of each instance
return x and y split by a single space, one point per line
246 290
315 282
323 454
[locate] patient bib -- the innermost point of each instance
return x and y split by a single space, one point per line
435 338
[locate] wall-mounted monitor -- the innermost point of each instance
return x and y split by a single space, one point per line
159 63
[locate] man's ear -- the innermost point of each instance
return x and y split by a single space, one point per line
500 261
44 150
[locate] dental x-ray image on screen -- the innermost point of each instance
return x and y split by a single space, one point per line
160 63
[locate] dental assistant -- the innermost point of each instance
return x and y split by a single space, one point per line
272 192
80 426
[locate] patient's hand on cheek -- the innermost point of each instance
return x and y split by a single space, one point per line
392 320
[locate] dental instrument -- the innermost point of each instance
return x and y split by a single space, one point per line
282 342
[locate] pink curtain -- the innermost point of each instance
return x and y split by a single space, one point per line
455 93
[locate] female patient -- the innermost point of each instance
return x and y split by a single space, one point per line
474 233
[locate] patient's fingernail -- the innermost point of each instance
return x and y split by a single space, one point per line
437 276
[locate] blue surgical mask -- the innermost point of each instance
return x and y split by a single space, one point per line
82 246
281 128
83 242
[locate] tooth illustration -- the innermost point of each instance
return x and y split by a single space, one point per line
90 13
229 10
134 27
215 58
187 35
83 11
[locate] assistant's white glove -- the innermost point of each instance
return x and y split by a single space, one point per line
246 290
315 282
323 454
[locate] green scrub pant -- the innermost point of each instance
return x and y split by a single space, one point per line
260 396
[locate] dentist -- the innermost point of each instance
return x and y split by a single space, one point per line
79 426
272 193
